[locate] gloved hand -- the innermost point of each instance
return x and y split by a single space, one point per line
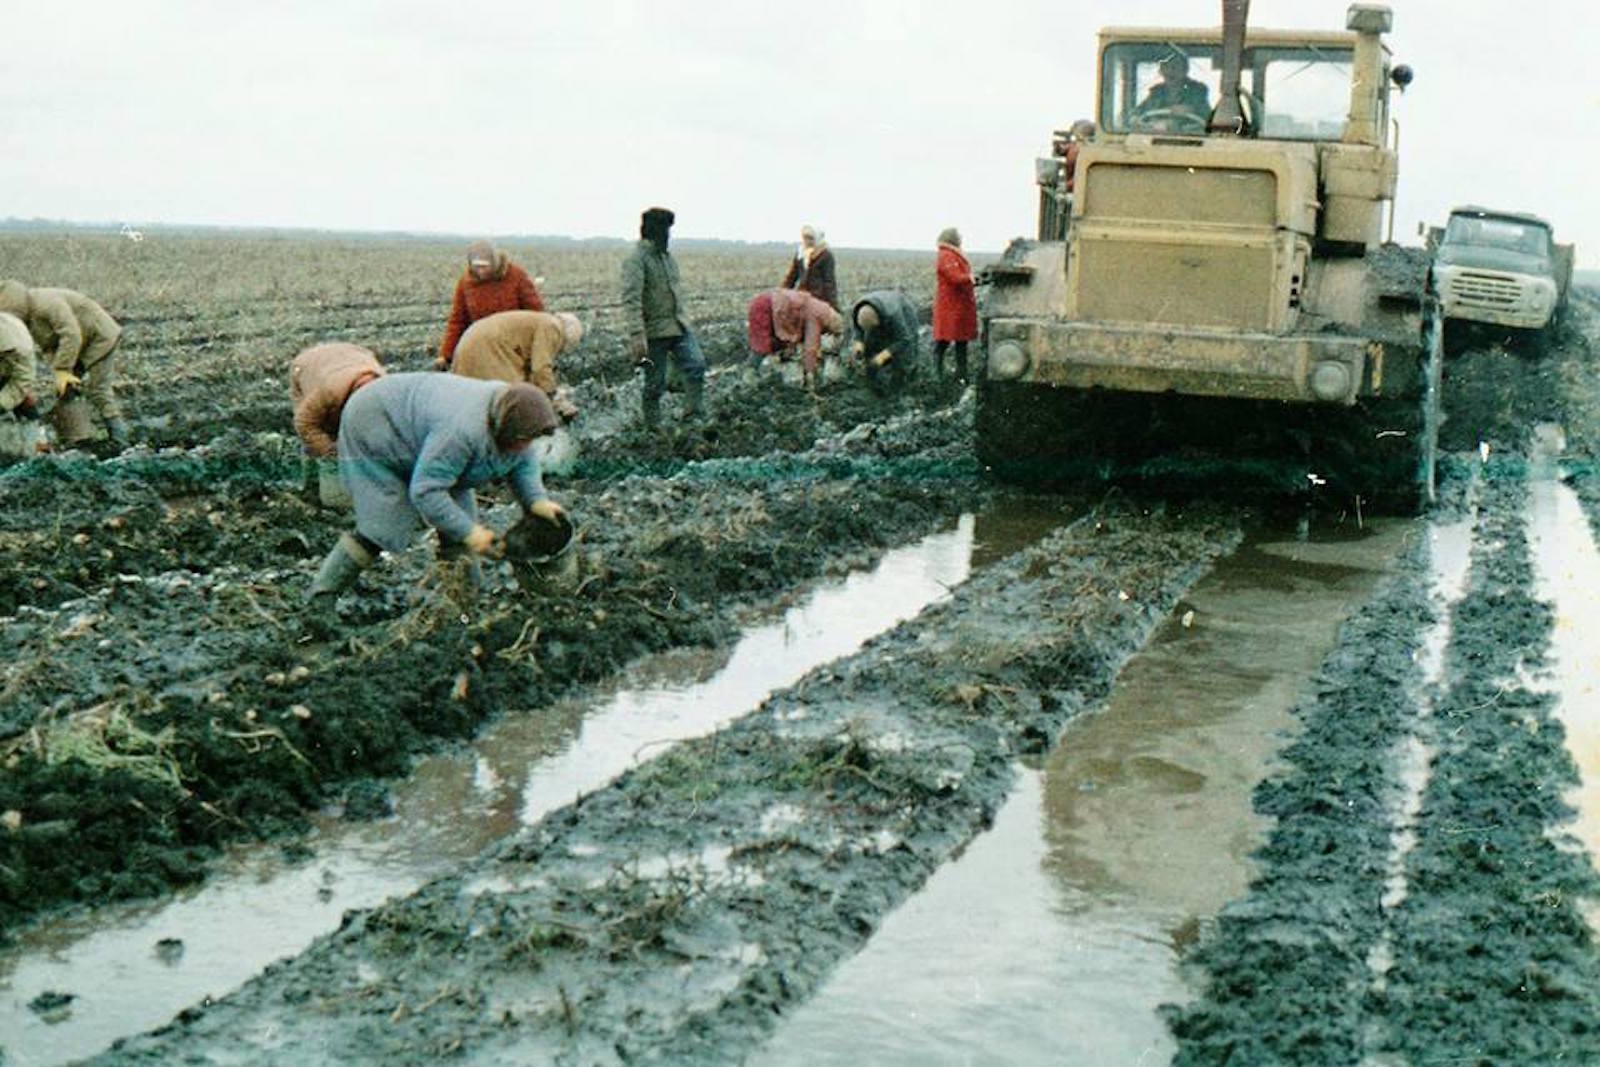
27 407
441 364
66 380
857 349
638 348
545 509
882 357
481 541
564 407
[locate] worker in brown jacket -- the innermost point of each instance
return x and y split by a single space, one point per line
76 337
520 346
321 379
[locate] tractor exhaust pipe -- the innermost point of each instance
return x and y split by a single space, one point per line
1227 118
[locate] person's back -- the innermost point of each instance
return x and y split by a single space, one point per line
321 381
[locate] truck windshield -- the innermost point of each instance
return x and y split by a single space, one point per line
1294 93
1510 235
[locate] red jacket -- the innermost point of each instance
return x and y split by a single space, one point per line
955 304
509 290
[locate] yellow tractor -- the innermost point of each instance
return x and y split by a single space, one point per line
1216 296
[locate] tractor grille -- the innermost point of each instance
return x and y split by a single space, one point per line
1477 289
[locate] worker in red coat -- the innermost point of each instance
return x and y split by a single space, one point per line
955 304
491 283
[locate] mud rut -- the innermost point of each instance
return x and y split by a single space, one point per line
164 695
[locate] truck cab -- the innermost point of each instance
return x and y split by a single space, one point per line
1500 267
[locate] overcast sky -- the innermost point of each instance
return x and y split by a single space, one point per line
881 120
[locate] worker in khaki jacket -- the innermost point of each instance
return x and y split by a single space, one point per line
18 398
520 346
76 337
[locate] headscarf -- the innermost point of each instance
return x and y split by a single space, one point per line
950 236
571 329
521 412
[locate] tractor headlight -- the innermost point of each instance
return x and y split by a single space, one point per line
1331 380
1008 360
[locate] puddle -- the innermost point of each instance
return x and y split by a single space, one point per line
1450 562
1567 574
127 975
1057 934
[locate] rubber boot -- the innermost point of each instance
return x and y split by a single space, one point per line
652 411
341 567
694 392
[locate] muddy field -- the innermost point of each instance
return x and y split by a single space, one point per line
1404 865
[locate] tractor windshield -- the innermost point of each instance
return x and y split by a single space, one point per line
1290 93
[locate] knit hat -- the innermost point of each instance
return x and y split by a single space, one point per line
521 412
571 329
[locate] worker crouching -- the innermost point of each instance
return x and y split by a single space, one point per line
322 379
779 319
413 447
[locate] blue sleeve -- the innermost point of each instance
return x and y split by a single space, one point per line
527 481
444 459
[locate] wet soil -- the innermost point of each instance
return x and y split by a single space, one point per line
164 694
669 915
165 691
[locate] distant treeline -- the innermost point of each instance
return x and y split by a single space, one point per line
57 226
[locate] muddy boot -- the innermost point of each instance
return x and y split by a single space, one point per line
694 393
961 362
652 411
341 568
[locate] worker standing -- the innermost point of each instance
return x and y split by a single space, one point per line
77 338
812 269
955 304
413 447
658 323
491 283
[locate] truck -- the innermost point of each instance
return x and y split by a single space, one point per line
1503 268
1217 295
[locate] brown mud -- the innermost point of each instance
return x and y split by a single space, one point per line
164 694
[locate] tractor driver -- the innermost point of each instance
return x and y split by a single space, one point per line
1176 96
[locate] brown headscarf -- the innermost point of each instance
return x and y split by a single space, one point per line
520 413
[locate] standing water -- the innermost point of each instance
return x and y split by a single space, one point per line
1567 567
1058 933
131 968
